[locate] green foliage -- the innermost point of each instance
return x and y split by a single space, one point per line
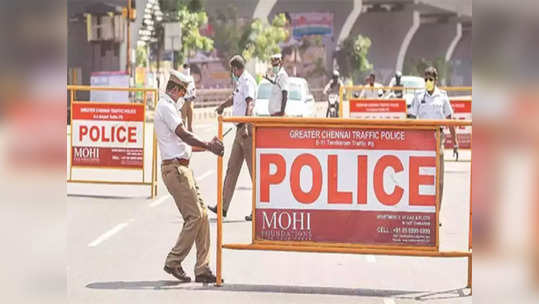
263 39
417 67
174 5
231 35
191 17
352 57
141 56
192 40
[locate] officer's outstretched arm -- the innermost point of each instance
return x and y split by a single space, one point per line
215 146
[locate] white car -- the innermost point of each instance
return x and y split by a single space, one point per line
407 82
300 101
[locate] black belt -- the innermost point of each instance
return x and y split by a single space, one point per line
178 161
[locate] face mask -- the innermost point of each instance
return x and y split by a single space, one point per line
234 77
276 69
429 85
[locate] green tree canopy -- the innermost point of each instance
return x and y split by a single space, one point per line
263 39
231 34
352 57
191 17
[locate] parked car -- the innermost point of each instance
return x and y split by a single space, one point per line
300 100
407 82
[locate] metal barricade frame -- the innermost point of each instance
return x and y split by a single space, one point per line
302 246
153 183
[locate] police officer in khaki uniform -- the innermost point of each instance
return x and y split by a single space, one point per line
175 146
433 103
187 107
242 102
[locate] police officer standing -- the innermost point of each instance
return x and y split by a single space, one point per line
242 102
433 103
372 88
175 146
279 90
187 107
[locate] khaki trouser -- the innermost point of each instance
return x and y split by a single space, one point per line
241 150
182 186
187 115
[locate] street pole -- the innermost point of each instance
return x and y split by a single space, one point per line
128 63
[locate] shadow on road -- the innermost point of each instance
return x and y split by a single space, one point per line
175 285
133 284
214 220
439 295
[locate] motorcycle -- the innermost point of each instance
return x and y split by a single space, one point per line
333 106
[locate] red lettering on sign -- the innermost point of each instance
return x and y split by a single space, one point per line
334 196
266 179
301 161
118 136
83 130
385 198
132 134
104 137
362 179
94 136
417 179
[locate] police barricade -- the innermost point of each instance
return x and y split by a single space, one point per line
388 107
108 141
462 110
310 174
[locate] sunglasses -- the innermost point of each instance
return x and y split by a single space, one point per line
429 79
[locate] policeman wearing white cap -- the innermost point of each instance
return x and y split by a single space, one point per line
279 90
175 146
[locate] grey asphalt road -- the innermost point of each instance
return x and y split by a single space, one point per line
116 249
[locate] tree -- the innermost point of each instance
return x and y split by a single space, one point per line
141 57
352 57
263 38
192 41
191 17
231 34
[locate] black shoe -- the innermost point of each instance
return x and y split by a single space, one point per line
207 278
214 210
178 273
248 218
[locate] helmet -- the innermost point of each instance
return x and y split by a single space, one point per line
336 74
398 74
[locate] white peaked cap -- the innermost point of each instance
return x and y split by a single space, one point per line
181 77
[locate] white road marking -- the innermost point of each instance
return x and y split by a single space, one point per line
370 258
204 175
159 201
389 301
108 234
